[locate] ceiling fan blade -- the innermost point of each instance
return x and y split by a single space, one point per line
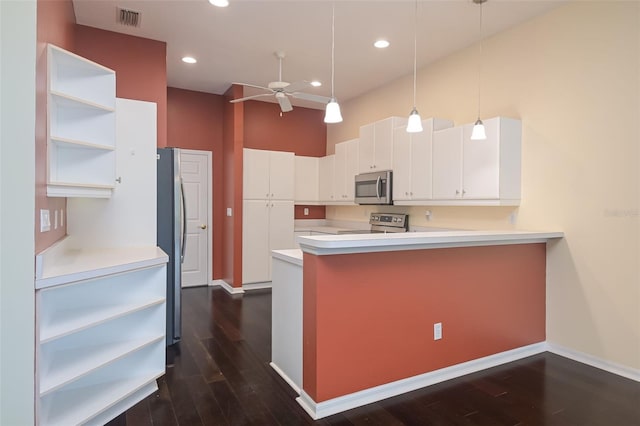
285 103
310 97
246 98
299 85
254 86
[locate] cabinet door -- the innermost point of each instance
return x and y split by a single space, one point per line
256 258
339 172
383 146
351 168
255 183
280 225
326 178
421 164
481 163
401 164
281 175
447 163
306 179
365 148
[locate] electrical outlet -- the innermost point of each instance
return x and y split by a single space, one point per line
428 215
229 212
437 331
306 211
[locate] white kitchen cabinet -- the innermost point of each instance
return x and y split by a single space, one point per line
375 147
412 162
485 172
268 174
345 169
306 182
81 141
267 225
100 333
327 175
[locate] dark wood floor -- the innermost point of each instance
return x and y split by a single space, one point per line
220 375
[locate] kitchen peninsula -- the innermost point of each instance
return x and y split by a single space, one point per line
368 316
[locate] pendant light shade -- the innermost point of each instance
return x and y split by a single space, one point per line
332 112
478 133
414 125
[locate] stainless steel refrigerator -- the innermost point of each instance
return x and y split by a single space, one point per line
171 233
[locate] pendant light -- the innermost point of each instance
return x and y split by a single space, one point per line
332 113
478 133
414 125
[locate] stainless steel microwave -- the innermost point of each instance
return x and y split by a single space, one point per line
374 188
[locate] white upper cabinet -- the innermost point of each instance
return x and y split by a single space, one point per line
327 175
484 172
81 126
345 169
412 162
268 175
306 184
375 147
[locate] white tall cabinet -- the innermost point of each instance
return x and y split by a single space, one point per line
267 210
412 162
480 172
375 147
306 180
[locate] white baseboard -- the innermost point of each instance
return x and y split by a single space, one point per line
229 288
318 410
611 367
256 286
286 378
215 283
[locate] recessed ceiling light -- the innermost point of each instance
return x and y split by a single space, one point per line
219 3
316 83
189 60
381 44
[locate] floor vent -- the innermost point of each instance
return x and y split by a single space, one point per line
129 18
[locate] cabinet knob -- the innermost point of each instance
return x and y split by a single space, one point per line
457 192
411 193
463 192
119 179
203 226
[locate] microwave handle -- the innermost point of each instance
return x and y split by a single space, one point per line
378 181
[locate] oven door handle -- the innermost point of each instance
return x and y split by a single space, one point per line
378 181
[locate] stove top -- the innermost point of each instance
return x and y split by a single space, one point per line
389 222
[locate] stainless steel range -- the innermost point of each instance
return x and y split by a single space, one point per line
384 223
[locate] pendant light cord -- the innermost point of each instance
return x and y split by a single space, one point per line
415 50
480 56
333 45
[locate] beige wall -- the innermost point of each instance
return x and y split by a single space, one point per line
572 76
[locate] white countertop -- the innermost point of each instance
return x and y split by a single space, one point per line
364 243
292 256
61 263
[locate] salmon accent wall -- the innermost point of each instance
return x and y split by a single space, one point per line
368 318
194 121
301 131
140 65
55 24
315 212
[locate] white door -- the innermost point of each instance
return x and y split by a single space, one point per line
281 175
194 169
401 164
447 164
481 162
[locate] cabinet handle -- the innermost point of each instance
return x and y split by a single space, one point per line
411 193
457 192
119 179
463 192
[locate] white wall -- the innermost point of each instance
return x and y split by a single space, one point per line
573 77
17 201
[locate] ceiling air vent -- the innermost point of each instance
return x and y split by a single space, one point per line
127 17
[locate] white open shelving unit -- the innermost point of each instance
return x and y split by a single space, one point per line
100 332
81 126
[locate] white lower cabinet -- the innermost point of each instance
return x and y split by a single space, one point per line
266 225
100 336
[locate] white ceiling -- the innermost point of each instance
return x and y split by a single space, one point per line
237 43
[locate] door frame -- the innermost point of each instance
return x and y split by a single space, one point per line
209 156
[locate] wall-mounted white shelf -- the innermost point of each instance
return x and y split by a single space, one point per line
81 126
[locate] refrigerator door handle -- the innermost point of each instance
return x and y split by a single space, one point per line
183 219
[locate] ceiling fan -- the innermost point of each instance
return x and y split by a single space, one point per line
283 90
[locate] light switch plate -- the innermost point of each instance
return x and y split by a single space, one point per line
45 222
229 212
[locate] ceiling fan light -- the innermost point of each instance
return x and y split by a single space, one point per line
219 3
332 113
414 125
478 133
